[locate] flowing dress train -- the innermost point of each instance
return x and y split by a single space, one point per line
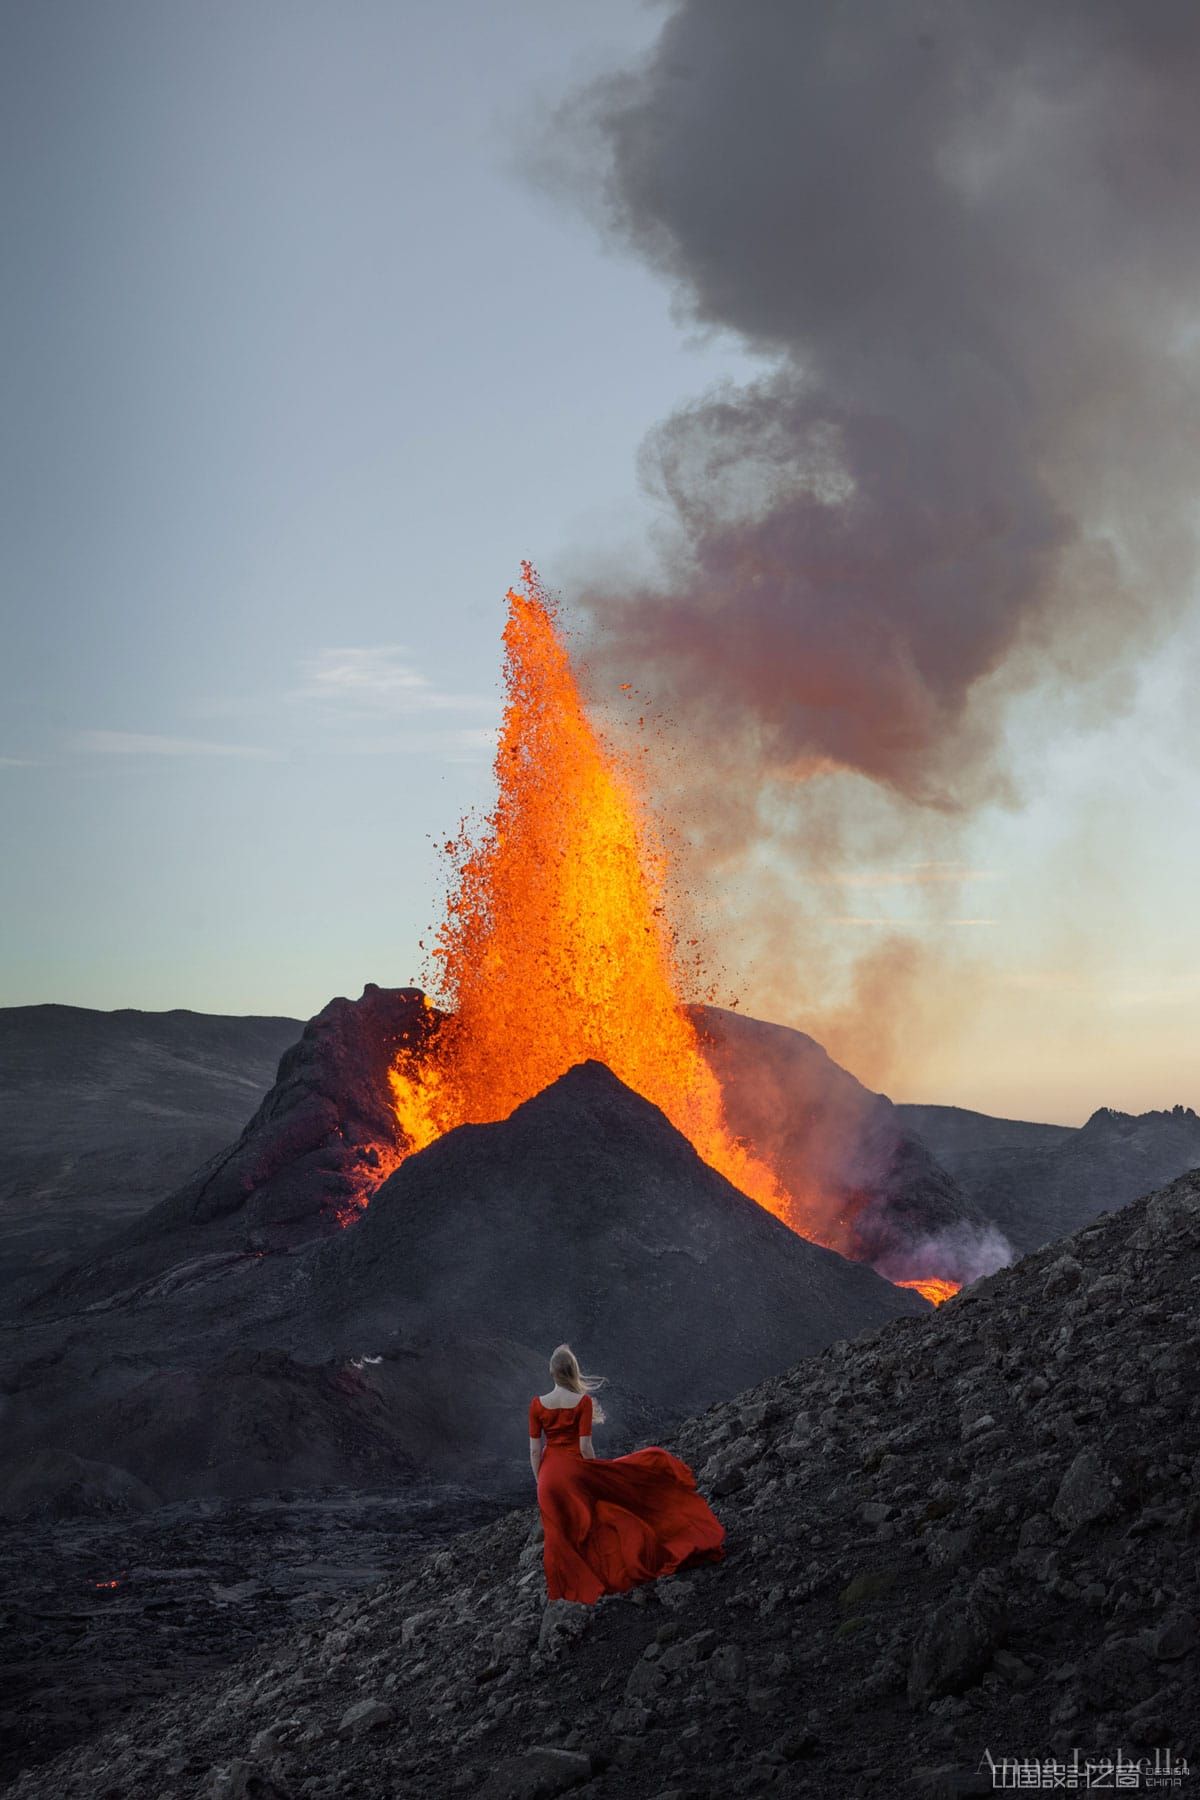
610 1523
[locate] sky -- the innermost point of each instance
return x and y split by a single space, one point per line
305 350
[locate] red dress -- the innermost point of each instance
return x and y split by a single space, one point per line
610 1523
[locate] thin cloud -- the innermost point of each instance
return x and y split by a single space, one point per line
1179 991
17 762
141 743
905 924
1053 981
454 744
1169 994
929 874
897 923
378 678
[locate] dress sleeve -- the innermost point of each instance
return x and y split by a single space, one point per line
535 1424
585 1417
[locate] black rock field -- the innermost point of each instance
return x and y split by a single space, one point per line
967 1535
106 1605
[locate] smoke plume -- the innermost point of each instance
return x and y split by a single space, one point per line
962 237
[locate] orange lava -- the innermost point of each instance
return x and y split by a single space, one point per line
933 1289
385 1160
555 945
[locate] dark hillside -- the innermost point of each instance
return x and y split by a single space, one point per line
970 1533
102 1113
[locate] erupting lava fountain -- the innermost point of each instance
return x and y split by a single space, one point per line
555 946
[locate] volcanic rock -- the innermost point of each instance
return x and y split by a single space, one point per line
788 1667
956 1643
365 1715
538 1774
1086 1492
886 1199
1175 1637
307 1160
586 1216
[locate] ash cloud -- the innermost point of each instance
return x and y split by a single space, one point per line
964 1254
962 237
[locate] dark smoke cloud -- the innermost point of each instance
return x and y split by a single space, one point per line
963 236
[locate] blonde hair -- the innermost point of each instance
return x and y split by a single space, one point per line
564 1366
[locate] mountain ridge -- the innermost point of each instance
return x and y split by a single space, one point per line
105 1172
103 1112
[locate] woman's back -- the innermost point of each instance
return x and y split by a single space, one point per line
562 1426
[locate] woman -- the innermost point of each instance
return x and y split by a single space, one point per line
609 1523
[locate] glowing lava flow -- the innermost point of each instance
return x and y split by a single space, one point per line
933 1288
554 947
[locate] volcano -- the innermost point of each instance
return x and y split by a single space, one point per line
587 1215
559 1148
326 1138
879 1194
408 1342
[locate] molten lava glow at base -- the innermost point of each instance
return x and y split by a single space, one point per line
554 947
933 1289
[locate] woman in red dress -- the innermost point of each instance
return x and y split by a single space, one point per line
609 1523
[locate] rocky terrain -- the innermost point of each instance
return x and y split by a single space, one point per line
101 1114
104 1608
1036 1183
968 1533
247 1417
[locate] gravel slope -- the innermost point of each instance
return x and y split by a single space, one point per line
971 1531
